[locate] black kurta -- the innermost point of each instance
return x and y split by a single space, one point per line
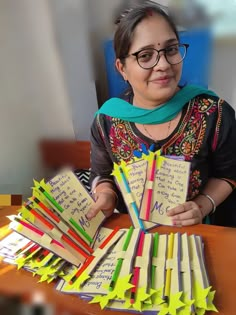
205 136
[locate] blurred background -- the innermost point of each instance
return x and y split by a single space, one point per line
53 76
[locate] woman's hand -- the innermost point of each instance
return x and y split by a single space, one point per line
105 200
188 213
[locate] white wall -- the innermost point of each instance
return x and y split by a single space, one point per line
71 20
101 27
35 100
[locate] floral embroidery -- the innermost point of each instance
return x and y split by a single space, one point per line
123 141
194 184
192 130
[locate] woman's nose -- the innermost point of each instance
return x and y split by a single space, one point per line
162 63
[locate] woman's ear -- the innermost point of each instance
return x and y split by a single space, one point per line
121 68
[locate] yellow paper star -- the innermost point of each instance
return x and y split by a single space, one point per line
185 310
157 296
78 282
70 275
174 304
26 214
96 299
122 285
127 304
103 300
210 305
141 296
36 183
116 170
200 311
50 279
20 262
119 291
45 186
200 295
106 299
44 277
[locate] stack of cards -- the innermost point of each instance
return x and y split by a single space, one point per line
149 273
54 223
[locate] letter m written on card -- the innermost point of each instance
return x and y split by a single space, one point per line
169 189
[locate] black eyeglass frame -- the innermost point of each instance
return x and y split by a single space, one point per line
158 55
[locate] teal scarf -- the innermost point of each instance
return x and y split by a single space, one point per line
118 108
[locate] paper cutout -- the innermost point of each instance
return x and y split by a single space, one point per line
47 242
75 200
135 174
169 188
187 308
173 305
200 295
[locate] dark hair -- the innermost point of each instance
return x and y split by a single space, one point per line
127 23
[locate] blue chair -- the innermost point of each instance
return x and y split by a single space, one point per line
196 65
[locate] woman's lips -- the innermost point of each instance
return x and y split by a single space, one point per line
161 80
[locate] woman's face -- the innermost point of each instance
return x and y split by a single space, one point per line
157 85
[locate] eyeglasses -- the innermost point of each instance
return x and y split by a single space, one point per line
149 57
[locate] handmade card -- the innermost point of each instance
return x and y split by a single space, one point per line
186 278
200 286
165 187
71 201
12 244
36 218
141 270
28 230
40 214
100 278
174 265
130 178
89 266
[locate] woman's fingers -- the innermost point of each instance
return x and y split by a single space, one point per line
187 213
104 202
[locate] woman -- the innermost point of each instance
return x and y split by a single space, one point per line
186 121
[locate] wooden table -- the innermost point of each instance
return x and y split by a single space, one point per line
220 253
